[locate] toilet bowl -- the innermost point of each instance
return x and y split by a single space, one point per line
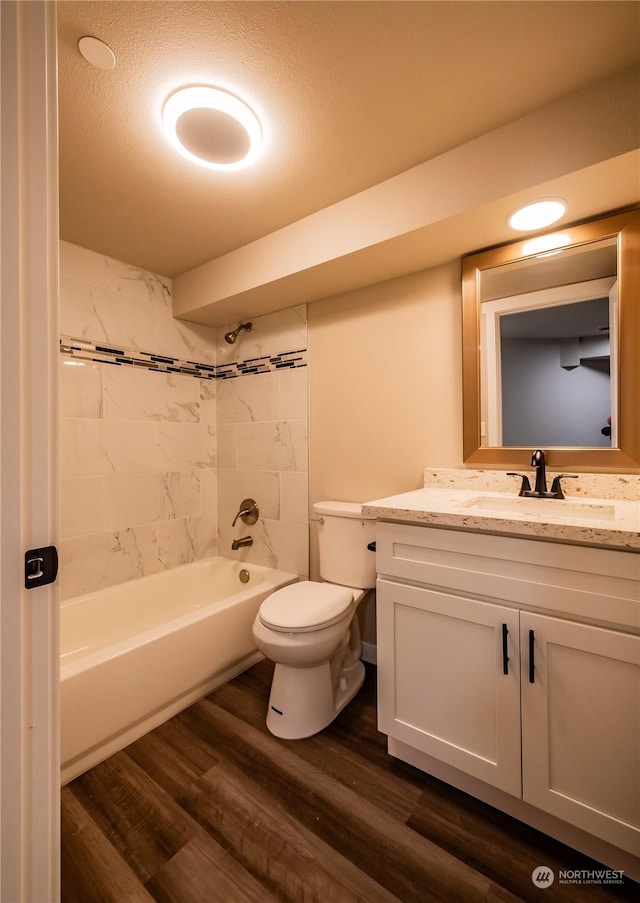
311 632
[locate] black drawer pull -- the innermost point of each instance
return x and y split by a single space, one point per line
532 666
505 657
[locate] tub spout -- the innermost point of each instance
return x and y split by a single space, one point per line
239 543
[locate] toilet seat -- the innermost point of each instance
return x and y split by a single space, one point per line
305 606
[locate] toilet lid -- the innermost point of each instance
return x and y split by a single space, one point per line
305 606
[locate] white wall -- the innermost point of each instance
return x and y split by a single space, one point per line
545 405
262 426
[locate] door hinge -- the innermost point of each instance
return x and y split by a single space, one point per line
40 566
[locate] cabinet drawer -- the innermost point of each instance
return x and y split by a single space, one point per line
590 583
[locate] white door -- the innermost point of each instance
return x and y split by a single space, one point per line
449 680
29 766
581 726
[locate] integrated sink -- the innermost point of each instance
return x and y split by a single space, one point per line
550 509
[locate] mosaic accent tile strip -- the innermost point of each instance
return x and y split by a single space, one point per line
105 354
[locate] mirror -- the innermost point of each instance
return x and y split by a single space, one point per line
551 348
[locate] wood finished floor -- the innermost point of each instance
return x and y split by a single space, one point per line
210 808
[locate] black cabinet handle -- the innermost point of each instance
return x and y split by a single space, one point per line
532 666
505 657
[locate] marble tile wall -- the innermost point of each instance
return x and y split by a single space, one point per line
137 447
262 432
155 463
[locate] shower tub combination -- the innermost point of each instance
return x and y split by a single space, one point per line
135 654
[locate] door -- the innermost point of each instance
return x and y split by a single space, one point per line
581 726
29 767
449 680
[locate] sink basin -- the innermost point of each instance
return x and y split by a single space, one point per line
550 509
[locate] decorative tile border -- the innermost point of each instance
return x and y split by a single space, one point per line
107 354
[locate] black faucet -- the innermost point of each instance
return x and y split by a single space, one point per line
537 461
540 491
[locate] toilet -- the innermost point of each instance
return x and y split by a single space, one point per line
310 630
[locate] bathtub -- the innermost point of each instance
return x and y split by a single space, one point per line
134 655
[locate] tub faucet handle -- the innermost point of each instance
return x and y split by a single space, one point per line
248 512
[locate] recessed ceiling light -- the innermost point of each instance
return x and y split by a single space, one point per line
537 216
97 52
212 128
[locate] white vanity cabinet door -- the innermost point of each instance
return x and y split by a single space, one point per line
581 726
441 682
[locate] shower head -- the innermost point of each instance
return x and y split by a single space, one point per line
231 336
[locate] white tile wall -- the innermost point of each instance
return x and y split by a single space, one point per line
262 437
137 447
154 464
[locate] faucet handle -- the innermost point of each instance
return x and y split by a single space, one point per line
248 512
525 486
556 488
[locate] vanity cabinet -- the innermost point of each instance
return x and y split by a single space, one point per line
581 727
442 687
516 662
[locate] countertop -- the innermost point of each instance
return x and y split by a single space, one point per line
601 522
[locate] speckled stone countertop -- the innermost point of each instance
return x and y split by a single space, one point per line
487 501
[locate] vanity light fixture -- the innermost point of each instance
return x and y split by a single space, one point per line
546 245
212 127
538 215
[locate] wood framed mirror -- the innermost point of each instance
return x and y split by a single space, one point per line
551 349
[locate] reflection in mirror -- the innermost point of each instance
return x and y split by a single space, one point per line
545 362
554 377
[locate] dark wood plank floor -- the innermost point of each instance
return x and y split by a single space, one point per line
210 808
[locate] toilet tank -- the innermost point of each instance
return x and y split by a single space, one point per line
343 537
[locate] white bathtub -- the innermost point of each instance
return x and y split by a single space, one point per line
136 654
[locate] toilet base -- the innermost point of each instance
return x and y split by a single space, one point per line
303 701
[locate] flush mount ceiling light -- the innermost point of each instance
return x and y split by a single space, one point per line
212 128
537 216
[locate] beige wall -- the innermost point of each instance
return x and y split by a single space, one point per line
385 386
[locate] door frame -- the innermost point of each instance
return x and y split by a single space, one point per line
29 619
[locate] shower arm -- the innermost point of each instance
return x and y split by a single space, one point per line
232 335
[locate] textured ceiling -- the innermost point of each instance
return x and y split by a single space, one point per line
350 94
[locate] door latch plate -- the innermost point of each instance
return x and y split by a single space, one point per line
40 566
